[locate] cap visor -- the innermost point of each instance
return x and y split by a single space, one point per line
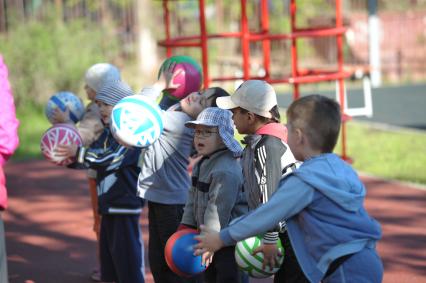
192 124
225 103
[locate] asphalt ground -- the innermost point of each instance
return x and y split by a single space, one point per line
400 106
49 234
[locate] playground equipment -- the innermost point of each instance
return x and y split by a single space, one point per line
298 75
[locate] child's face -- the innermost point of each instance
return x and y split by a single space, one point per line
207 140
105 110
196 102
91 94
241 121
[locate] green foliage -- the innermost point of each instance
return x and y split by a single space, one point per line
96 5
45 56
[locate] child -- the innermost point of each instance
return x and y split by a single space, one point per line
216 196
90 127
121 247
265 159
9 141
332 235
164 179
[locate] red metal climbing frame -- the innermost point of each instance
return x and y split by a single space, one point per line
298 76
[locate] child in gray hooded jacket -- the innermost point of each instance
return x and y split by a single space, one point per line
216 196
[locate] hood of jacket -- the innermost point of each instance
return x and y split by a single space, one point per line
335 179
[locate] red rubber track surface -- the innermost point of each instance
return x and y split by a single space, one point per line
49 235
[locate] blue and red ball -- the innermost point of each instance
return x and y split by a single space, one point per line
179 254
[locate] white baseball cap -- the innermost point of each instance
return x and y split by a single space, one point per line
254 96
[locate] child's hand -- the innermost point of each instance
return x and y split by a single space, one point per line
61 117
209 241
66 150
206 259
167 75
270 255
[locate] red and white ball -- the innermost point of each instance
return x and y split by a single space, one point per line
59 134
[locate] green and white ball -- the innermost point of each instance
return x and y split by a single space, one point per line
252 264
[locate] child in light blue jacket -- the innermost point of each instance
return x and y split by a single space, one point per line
332 235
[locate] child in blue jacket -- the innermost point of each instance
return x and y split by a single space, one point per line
331 233
121 246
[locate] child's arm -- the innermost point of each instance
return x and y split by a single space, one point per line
297 196
108 158
60 116
165 78
9 124
90 126
268 155
104 153
188 217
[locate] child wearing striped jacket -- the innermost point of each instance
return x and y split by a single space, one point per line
121 245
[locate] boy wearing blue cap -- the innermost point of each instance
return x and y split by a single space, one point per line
216 196
121 246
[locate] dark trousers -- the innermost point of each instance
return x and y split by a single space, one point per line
290 271
224 268
121 249
163 222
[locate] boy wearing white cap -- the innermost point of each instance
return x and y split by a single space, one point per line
216 197
265 159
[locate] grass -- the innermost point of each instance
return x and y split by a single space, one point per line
33 123
399 155
392 154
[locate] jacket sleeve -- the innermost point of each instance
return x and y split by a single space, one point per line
9 140
105 153
188 217
90 126
268 215
268 154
